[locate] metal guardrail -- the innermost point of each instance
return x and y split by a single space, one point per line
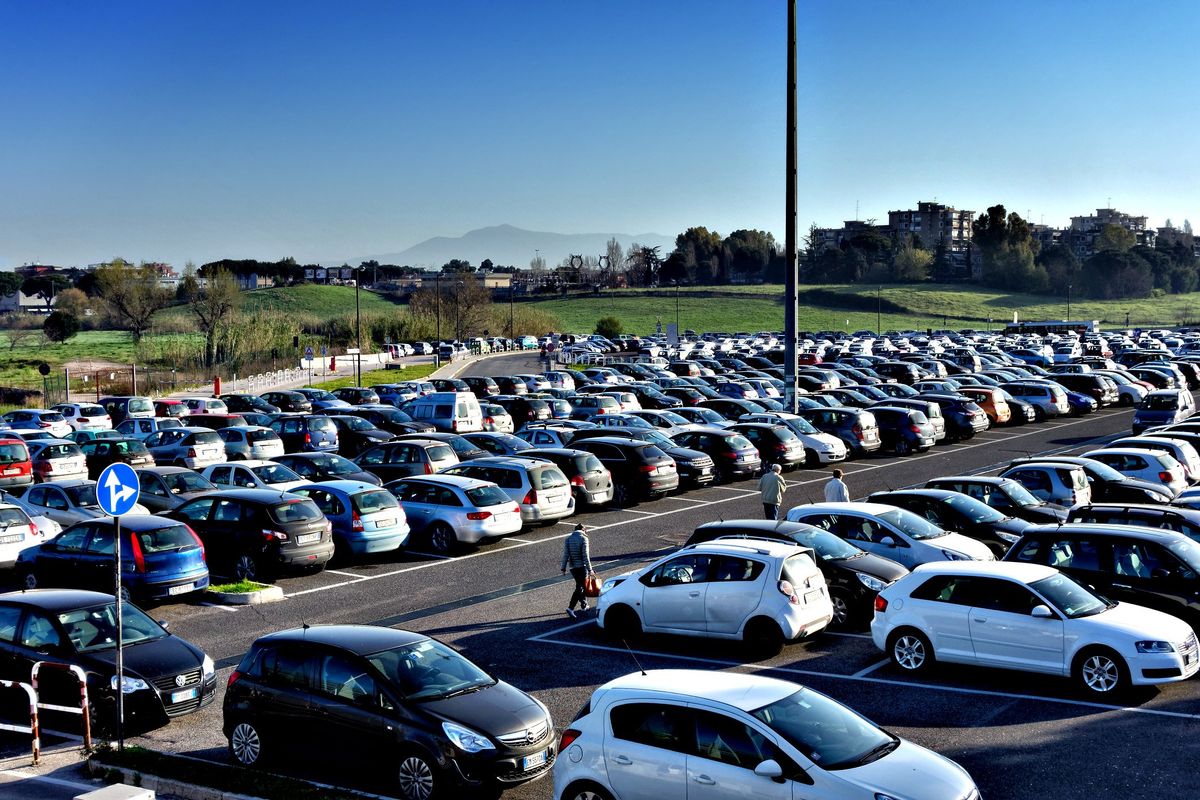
84 709
33 728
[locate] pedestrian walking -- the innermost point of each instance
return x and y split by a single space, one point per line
772 486
577 555
835 490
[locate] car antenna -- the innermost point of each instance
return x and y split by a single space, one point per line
634 657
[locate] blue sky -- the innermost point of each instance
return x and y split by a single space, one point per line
200 130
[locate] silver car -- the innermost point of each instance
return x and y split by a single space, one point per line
541 488
194 448
57 459
250 441
66 502
141 427
446 511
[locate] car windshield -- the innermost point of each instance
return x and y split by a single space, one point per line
166 540
1019 494
1068 596
262 436
322 424
274 473
333 465
484 496
130 447
973 509
826 732
95 628
180 482
1160 402
296 511
357 424
911 524
83 496
372 501
139 405
461 445
827 546
429 670
440 452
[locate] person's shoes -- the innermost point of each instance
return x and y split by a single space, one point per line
571 613
584 607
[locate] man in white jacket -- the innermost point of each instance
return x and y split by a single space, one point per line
835 490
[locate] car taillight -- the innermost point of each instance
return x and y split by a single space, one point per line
199 543
858 432
356 523
84 419
567 739
648 468
478 515
428 468
1165 477
601 410
139 558
43 424
530 498
488 421
577 480
730 454
881 603
308 438
274 536
234 677
191 452
781 448
785 588
454 425
915 429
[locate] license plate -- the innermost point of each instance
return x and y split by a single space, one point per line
12 470
812 597
1189 658
385 523
705 470
181 589
186 694
308 538
872 436
535 760
11 538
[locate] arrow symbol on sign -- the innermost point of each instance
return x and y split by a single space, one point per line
117 491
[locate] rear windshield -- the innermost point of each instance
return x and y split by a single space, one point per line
549 478
130 447
798 568
83 495
12 516
652 453
440 452
91 411
357 424
164 540
376 500
51 416
296 511
262 436
1160 402
605 401
739 442
60 451
588 463
321 424
483 496
208 437
139 405
464 410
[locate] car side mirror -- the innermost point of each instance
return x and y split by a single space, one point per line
1158 573
769 769
1041 612
887 541
165 624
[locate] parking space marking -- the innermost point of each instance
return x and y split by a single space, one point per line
219 606
688 500
546 638
515 539
422 555
347 574
635 511
872 668
30 776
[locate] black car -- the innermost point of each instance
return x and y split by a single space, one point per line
318 467
482 386
695 467
357 395
1172 518
958 513
390 419
591 483
1004 495
651 398
732 453
904 430
252 534
463 447
523 410
510 385
164 488
239 403
854 576
165 676
964 418
731 408
101 453
776 443
356 434
368 695
1108 485
292 402
640 470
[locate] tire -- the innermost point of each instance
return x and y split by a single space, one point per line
245 745
442 539
763 638
622 622
621 495
1099 672
1039 414
585 790
811 459
844 616
29 580
902 447
246 568
911 651
417 777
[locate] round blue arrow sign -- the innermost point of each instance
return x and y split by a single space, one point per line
117 489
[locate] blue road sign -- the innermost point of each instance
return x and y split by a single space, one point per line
117 490
308 354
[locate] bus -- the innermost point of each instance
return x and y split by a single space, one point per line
1054 326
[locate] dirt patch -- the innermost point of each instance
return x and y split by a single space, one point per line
88 367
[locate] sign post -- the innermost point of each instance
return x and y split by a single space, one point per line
117 491
308 356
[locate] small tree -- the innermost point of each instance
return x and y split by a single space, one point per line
60 326
608 327
73 302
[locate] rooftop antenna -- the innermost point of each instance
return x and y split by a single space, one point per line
634 657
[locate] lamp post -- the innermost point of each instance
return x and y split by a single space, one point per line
878 306
1068 302
512 289
676 282
357 328
458 312
437 279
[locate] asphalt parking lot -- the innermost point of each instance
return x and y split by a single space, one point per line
1020 736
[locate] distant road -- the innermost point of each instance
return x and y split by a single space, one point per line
512 364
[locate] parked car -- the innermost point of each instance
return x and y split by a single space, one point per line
22 527
483 387
165 488
67 502
1180 449
194 448
856 428
732 454
142 427
356 395
450 727
169 407
991 400
448 511
119 408
56 459
84 416
160 558
1157 466
289 401
403 457
251 534
16 469
253 474
1006 496
640 470
390 419
250 441
963 418
759 592
366 519
1096 386
538 487
452 412
214 421
102 452
496 418
320 467
464 448
205 405
35 419
740 736
499 444
903 430
305 434
591 483
952 511
1175 518
356 434
852 575
1049 400
1107 484
1059 483
1032 618
239 403
323 401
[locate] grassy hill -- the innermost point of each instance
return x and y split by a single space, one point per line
308 300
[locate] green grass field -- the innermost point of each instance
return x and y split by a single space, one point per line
309 300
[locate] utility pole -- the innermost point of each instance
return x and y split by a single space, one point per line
878 303
438 305
791 265
357 330
1068 302
512 290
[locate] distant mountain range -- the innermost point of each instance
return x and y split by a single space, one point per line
508 245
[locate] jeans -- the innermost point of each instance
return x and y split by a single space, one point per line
579 574
770 511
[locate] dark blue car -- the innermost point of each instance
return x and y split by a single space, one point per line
160 558
307 434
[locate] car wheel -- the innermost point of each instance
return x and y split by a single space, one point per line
811 459
902 447
246 568
621 495
911 651
763 638
245 745
442 538
1100 671
621 622
843 615
585 790
416 777
1039 414
29 580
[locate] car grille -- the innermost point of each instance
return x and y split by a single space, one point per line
1189 645
529 774
526 736
167 685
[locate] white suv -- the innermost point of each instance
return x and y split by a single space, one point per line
667 733
1028 617
764 593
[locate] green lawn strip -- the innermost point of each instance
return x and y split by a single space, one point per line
222 777
238 587
323 302
375 376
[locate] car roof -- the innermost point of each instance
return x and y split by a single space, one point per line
1109 529
765 525
70 483
56 599
136 522
739 690
1184 511
1123 451
935 494
1026 573
245 462
987 479
256 495
361 639
164 470
344 486
458 481
862 508
763 547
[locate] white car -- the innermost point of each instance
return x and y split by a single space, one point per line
1180 449
820 448
1032 618
1156 466
84 416
205 405
723 735
763 593
891 532
17 532
254 474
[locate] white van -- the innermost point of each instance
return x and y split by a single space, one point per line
452 412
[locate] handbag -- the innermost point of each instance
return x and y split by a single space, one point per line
591 585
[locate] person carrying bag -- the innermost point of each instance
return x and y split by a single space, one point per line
577 555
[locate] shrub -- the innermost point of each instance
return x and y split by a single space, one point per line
608 327
60 326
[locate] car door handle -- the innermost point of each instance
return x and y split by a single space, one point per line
704 779
624 761
693 594
981 619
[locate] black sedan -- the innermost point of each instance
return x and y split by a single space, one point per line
952 511
356 434
318 467
1004 495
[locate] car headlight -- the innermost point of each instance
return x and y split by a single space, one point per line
1008 537
208 668
466 739
1154 647
953 556
610 584
874 584
128 685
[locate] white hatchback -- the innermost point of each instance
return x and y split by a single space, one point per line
705 734
763 593
254 474
1032 618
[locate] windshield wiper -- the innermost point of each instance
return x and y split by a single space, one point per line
458 692
877 752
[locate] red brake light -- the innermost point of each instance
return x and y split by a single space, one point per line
478 515
233 678
530 498
577 480
881 603
356 523
428 468
308 438
858 432
1165 477
277 536
915 429
785 588
139 558
647 468
781 448
199 543
191 452
566 740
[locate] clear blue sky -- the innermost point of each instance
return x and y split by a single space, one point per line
198 130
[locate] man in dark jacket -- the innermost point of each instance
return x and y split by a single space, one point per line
577 555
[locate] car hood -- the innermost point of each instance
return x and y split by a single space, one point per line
494 710
962 544
876 566
911 771
1140 623
1149 486
1044 513
1011 525
169 655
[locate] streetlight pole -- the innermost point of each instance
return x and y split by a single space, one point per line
676 282
878 304
458 312
438 305
358 329
512 289
1068 302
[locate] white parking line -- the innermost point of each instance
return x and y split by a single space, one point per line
422 555
219 607
29 776
347 574
515 539
635 511
872 668
687 500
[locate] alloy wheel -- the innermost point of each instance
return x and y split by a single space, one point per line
909 652
1101 673
415 777
245 744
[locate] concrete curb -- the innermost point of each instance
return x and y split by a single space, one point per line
188 791
271 594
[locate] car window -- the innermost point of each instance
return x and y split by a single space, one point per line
955 589
653 724
731 568
9 617
692 568
342 678
996 594
227 511
1077 553
72 540
285 667
1137 559
39 633
731 741
102 541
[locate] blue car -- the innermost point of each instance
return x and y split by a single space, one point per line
365 518
1081 403
322 400
160 558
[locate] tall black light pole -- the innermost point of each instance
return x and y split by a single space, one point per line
790 268
1068 302
357 329
676 282
878 303
458 312
438 305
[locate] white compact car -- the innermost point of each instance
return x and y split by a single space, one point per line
693 733
763 593
84 416
254 474
820 448
1032 618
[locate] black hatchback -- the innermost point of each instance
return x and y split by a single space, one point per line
368 696
854 576
640 470
958 513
